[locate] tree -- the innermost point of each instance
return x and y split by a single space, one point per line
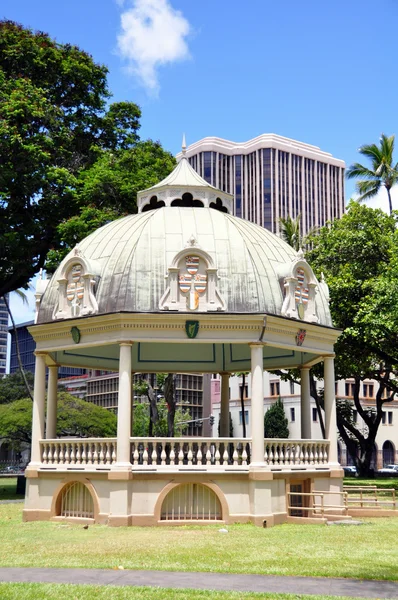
275 421
60 146
12 387
383 172
290 232
242 400
141 419
359 256
75 418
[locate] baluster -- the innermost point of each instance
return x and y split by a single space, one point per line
55 454
199 455
163 454
101 453
190 454
95 455
306 455
84 453
44 454
145 457
235 457
113 455
311 454
78 453
208 456
225 457
154 455
72 454
136 455
90 454
288 455
217 455
271 454
66 454
301 458
266 453
108 454
244 456
180 456
172 455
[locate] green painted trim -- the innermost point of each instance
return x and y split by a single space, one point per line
66 353
291 354
142 360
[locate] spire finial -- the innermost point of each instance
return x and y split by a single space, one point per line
184 144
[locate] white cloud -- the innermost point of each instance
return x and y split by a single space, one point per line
152 34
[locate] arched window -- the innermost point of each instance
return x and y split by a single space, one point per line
388 453
218 205
191 502
75 500
153 204
187 201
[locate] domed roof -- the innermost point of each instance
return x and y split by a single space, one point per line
184 259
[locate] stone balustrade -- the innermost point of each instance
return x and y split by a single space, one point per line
190 452
304 453
85 452
185 452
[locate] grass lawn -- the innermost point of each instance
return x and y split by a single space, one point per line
8 486
369 551
385 482
36 591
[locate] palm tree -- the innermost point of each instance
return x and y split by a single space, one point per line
290 231
383 171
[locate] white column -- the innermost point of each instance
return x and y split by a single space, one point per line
39 395
305 405
224 407
51 423
330 409
257 405
124 406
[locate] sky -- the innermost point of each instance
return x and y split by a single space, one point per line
319 72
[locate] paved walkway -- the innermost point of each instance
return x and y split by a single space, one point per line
206 581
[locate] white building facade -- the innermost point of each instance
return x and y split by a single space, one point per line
271 176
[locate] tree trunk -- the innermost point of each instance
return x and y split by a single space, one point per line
169 395
153 409
17 348
389 199
242 404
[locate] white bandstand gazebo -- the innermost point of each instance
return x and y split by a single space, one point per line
185 287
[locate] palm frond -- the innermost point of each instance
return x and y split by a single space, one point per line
358 170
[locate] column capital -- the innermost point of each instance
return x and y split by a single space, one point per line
126 343
329 356
40 353
254 344
305 368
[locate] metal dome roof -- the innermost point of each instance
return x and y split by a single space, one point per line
129 264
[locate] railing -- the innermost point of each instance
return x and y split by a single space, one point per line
190 452
84 453
187 452
314 504
288 453
370 497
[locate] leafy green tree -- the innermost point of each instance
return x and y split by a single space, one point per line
290 232
75 417
13 387
61 148
141 419
275 421
383 172
359 256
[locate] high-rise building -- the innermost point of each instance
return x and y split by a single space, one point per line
3 337
271 177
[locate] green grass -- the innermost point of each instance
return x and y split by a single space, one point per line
8 486
369 551
385 482
37 591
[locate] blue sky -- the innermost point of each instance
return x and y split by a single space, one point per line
319 72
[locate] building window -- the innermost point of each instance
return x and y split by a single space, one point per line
368 390
314 414
275 388
389 416
383 418
349 389
245 391
292 414
292 387
246 417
